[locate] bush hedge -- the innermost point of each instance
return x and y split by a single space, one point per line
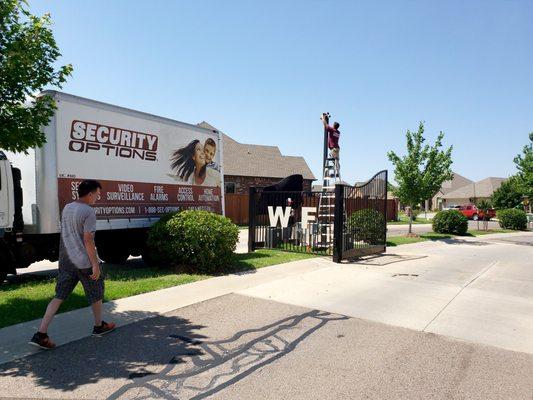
450 221
512 219
369 226
196 241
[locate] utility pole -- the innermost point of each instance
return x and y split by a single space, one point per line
326 119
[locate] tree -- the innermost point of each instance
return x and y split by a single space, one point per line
28 52
508 195
524 164
420 173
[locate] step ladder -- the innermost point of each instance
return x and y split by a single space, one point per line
326 204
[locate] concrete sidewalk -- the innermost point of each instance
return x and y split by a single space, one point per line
77 324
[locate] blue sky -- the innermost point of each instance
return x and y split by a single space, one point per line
263 72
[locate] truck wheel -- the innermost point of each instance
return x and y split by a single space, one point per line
6 262
113 255
475 217
147 258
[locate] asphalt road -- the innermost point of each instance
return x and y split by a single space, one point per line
238 347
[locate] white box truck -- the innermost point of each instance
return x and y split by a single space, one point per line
147 165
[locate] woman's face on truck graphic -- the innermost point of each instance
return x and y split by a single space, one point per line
198 156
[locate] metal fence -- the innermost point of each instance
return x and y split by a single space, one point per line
285 221
296 221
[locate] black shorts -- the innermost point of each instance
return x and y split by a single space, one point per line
69 276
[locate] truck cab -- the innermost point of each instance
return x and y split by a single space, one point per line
7 200
7 214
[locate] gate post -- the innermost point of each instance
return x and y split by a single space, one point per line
338 227
386 206
251 219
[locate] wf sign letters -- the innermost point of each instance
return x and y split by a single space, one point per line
281 215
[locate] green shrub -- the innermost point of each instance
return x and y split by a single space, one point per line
512 219
197 241
368 225
450 221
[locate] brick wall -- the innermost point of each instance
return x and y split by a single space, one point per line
242 183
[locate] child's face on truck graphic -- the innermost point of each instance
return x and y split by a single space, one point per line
209 151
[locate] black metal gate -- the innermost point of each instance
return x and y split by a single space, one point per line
361 218
354 225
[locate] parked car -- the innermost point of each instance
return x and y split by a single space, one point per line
451 207
470 211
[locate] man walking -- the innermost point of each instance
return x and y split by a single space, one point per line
78 262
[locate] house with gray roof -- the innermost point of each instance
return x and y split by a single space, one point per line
458 181
246 165
472 192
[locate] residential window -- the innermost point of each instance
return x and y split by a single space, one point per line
229 187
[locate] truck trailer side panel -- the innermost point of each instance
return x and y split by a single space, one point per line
131 154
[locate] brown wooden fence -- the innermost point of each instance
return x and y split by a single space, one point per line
237 208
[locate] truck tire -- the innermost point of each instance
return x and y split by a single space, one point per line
147 258
6 262
117 255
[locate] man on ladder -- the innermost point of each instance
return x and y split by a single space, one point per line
333 138
326 203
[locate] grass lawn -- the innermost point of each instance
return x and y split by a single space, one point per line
475 232
27 300
399 240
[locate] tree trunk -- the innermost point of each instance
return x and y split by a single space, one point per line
410 218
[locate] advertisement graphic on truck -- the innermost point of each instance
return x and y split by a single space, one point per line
133 159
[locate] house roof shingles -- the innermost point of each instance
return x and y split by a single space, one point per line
483 188
255 160
457 182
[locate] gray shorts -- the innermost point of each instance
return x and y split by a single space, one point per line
69 276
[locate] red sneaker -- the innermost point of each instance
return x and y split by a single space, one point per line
42 340
104 328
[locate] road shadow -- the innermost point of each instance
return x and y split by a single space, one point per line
384 259
136 350
165 357
459 241
222 363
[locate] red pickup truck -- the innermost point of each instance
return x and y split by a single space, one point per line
470 211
